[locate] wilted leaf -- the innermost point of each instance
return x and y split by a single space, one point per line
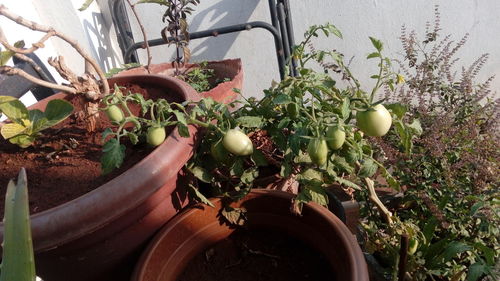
235 216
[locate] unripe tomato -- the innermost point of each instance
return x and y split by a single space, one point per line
237 143
155 135
293 110
336 137
218 151
375 121
412 246
114 113
318 151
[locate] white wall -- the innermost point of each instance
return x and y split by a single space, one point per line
357 20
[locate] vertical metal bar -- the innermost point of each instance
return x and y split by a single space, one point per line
284 34
291 37
277 42
123 29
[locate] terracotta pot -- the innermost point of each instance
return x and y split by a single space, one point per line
199 228
99 235
230 68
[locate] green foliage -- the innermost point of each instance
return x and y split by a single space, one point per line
5 56
154 114
444 150
18 258
27 124
117 70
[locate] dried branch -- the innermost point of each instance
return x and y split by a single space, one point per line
374 198
49 33
30 61
16 71
143 31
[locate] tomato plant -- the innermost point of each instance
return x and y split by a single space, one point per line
375 121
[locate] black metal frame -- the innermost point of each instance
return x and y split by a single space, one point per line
281 28
17 86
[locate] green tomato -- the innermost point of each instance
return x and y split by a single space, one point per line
293 110
155 135
412 246
336 137
114 113
318 151
218 152
374 122
237 143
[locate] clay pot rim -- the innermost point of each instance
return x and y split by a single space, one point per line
47 225
235 61
355 257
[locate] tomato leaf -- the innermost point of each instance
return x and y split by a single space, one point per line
376 43
199 196
258 158
201 174
398 109
373 55
368 169
476 270
113 155
282 99
249 175
250 121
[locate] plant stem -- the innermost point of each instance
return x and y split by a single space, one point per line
377 85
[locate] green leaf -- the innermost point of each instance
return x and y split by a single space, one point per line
22 140
429 229
56 111
161 2
117 70
368 169
15 110
250 121
113 155
18 257
342 164
488 253
317 194
416 127
85 5
398 109
6 99
5 56
476 270
393 183
249 175
347 183
346 109
377 44
282 99
333 29
373 55
201 174
199 196
237 168
258 158
453 249
106 133
134 139
12 129
183 130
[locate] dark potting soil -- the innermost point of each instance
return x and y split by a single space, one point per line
258 254
64 163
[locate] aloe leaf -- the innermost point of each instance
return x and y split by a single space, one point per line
18 259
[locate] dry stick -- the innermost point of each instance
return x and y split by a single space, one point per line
148 51
374 198
403 257
50 32
16 71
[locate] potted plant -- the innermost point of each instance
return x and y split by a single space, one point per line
95 235
446 226
215 79
306 135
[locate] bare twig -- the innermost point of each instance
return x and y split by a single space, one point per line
30 61
374 198
49 33
403 257
143 31
16 71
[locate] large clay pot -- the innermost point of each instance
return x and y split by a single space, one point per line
198 228
99 235
226 69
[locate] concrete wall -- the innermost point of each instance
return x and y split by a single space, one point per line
357 20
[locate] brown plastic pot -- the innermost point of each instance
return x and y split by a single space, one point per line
223 92
99 235
198 228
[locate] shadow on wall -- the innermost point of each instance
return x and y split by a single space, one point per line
222 13
98 38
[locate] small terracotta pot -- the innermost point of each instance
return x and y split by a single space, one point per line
99 236
198 228
223 92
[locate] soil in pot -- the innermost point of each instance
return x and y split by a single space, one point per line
64 163
258 254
